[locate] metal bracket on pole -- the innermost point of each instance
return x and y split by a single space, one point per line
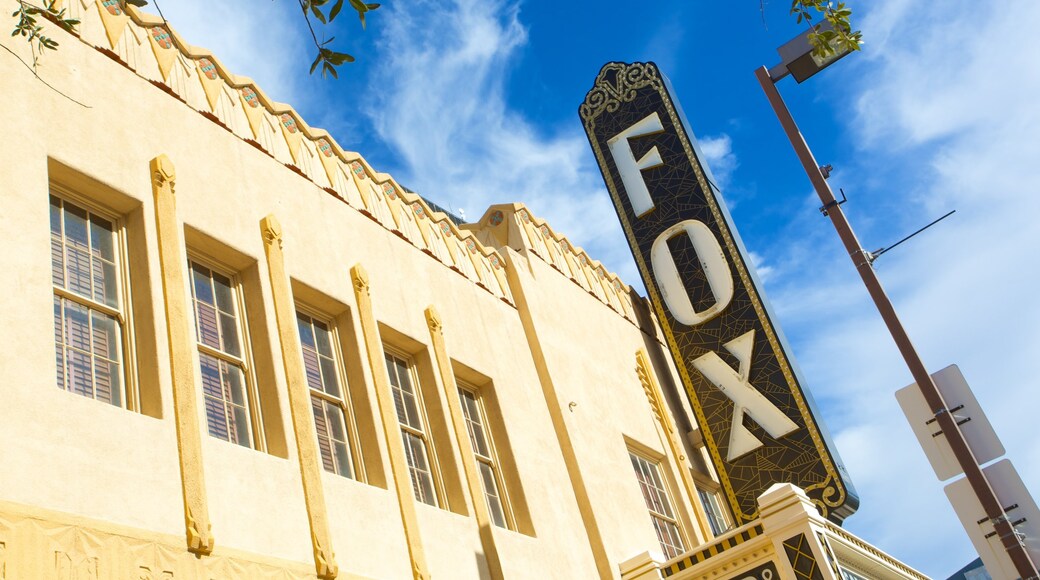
833 203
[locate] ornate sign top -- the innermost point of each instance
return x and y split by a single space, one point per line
756 417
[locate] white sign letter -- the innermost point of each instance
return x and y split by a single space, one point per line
716 270
746 398
629 168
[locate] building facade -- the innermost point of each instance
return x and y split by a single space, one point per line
236 350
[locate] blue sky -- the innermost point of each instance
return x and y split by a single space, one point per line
474 102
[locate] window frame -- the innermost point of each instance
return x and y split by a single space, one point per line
665 495
257 439
123 313
350 423
710 498
491 460
439 495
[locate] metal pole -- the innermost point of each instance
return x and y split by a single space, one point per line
860 257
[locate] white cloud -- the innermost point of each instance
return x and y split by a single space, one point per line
717 152
466 148
944 118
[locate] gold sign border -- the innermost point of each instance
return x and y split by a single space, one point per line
608 97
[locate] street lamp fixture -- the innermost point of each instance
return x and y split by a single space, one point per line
798 61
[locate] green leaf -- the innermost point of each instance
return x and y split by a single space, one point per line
318 14
359 6
138 3
373 6
362 16
314 65
335 10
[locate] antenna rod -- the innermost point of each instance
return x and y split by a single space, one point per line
877 254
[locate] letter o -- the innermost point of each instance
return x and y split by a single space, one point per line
712 259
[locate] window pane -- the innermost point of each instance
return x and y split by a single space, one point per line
234 383
422 480
78 266
487 476
101 238
77 326
229 335
106 336
306 333
336 427
76 227
328 376
105 283
222 288
240 427
321 335
108 382
202 286
79 372
59 348
321 426
343 460
216 413
206 319
312 369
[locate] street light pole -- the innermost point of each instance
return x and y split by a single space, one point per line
862 260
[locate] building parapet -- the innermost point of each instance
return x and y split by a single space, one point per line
151 48
513 225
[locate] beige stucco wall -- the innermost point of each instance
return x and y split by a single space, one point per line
103 465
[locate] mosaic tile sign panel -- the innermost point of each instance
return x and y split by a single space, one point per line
756 416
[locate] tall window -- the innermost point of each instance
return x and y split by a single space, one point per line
416 444
218 332
473 411
327 400
89 324
713 509
656 498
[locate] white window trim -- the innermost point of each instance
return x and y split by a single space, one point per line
659 464
257 440
353 438
493 460
124 315
431 451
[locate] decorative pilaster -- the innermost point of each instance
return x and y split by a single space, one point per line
469 462
677 456
182 366
388 418
563 435
299 400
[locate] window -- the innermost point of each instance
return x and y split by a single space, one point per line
714 511
484 451
89 319
327 398
222 360
657 503
416 447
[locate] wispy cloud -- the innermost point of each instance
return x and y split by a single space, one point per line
440 106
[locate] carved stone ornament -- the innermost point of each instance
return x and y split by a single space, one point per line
433 319
199 541
360 278
163 172
271 230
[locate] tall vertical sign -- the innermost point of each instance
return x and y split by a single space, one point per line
757 419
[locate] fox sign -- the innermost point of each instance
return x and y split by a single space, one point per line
755 415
